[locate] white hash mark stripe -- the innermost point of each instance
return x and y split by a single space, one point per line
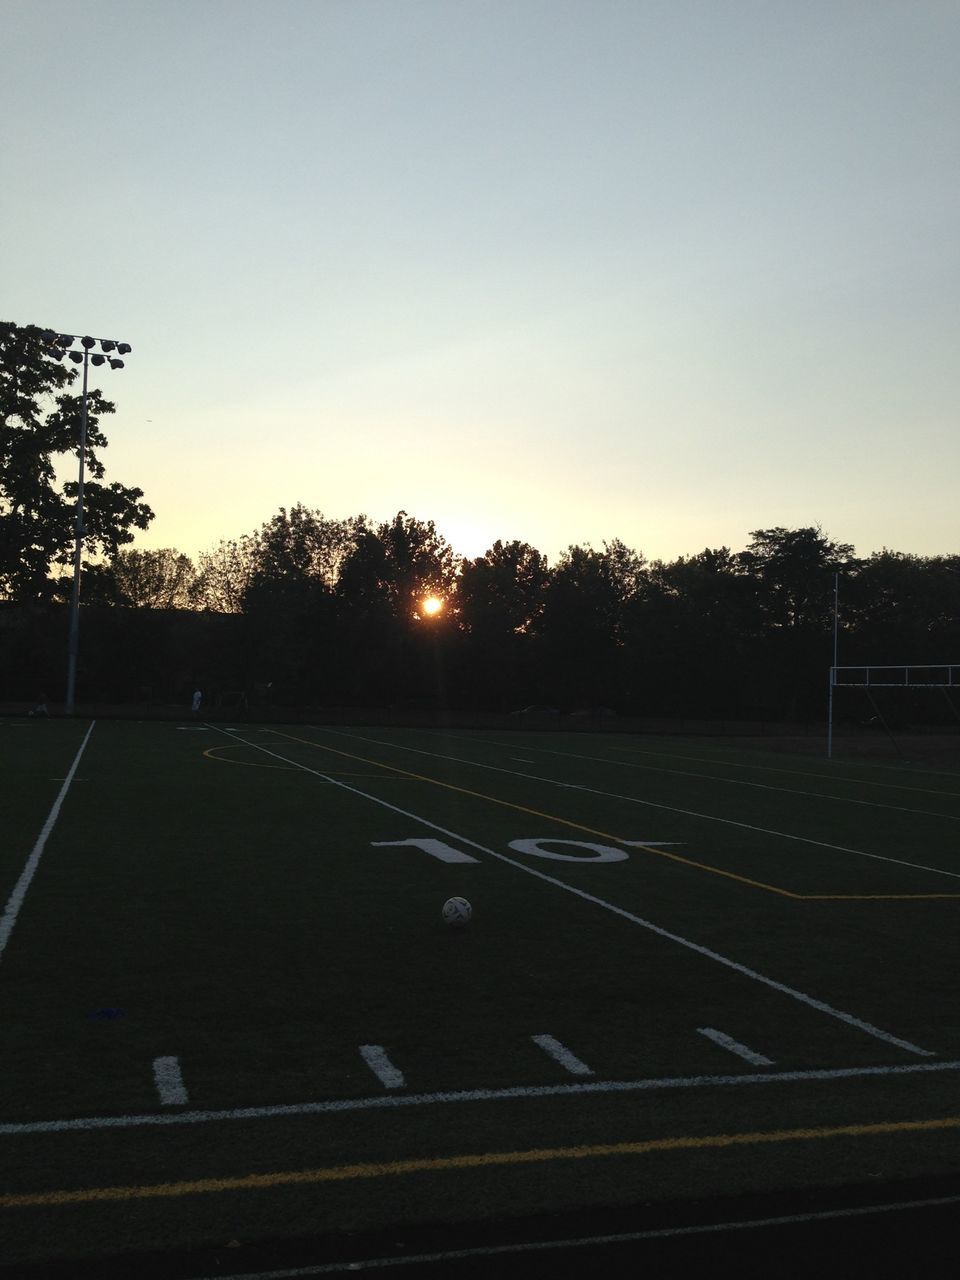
867 1027
560 1053
15 901
388 1101
741 1050
375 1056
169 1082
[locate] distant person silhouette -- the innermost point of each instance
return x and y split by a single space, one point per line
197 699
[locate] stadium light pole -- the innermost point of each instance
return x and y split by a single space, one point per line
61 344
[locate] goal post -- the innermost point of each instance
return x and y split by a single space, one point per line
904 675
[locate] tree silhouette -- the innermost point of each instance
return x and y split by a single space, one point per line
164 579
581 628
501 595
36 516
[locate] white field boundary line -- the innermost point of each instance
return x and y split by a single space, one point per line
727 764
650 804
762 786
388 1101
580 1242
15 901
801 996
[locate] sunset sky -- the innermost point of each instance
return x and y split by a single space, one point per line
661 270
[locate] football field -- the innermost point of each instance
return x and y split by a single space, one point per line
232 1014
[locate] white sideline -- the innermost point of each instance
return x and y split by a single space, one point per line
743 969
388 1101
15 901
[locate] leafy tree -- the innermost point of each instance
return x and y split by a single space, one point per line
164 579
582 624
500 597
224 574
301 550
589 589
902 608
289 598
39 423
393 567
388 649
501 592
793 570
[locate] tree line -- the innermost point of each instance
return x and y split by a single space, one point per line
312 610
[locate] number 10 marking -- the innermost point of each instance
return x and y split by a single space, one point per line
444 852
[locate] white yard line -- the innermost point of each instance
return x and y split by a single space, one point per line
762 786
375 1056
832 776
560 1053
734 1046
388 1101
169 1082
15 901
820 1005
652 804
579 1242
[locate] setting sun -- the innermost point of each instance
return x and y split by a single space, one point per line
431 606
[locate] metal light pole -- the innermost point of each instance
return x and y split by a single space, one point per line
61 343
833 669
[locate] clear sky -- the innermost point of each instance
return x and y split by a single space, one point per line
662 270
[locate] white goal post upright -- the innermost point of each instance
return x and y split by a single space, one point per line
946 675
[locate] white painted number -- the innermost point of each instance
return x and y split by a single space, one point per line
435 848
599 852
443 852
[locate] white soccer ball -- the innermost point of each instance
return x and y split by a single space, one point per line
457 911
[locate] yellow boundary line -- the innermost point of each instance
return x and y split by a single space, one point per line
444 1164
211 753
649 848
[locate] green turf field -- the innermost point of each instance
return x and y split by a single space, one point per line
231 1011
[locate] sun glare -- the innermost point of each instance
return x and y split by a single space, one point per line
431 606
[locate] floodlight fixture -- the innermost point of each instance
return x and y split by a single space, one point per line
116 364
107 344
48 336
88 342
77 356
97 359
65 340
123 348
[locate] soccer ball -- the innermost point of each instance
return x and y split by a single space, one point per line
457 911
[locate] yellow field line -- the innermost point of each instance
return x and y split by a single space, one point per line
211 754
536 813
874 897
443 1164
674 857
